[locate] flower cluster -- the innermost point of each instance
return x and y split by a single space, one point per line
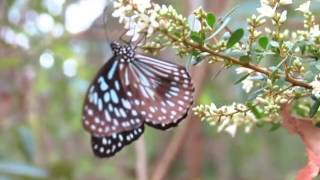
316 87
228 118
138 16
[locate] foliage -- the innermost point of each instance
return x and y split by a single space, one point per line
275 60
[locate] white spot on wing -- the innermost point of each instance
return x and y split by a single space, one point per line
103 85
125 103
114 96
106 97
112 70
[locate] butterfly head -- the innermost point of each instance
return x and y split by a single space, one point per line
126 51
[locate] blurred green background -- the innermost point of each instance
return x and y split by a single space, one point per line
49 52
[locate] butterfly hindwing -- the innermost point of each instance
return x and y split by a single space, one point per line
165 91
107 146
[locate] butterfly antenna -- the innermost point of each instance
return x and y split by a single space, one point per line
131 24
189 63
122 37
141 41
125 32
214 77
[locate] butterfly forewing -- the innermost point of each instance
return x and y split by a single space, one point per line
107 109
165 91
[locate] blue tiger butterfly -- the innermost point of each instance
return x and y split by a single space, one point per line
132 90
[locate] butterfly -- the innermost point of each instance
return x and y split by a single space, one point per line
132 90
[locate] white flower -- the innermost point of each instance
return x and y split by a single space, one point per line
266 10
164 9
213 108
232 129
134 30
315 31
240 70
142 5
305 7
137 17
285 2
120 12
224 123
153 22
266 2
283 16
248 129
247 85
316 87
194 23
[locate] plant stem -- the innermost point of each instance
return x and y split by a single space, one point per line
256 68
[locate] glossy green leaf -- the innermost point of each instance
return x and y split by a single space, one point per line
211 19
235 37
264 42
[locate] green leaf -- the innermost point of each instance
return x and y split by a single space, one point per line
235 37
197 37
19 169
242 78
274 126
314 108
245 59
258 113
264 42
195 53
211 19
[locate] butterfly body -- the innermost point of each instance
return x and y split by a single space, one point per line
131 90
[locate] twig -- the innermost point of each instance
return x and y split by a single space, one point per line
256 68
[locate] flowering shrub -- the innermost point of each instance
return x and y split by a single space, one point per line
291 77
